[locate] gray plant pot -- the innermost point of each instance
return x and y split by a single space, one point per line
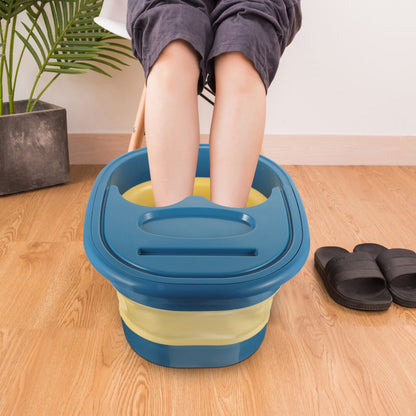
33 148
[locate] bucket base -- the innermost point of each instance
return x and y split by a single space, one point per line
193 356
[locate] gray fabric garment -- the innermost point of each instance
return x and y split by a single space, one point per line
260 29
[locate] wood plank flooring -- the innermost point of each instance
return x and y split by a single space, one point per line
63 351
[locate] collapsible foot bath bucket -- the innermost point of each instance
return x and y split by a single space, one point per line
195 280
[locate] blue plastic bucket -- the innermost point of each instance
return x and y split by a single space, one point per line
195 280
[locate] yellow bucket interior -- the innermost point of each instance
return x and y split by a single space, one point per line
142 194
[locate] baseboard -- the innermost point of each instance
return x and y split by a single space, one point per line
284 149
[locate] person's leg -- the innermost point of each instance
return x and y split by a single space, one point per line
171 40
172 122
237 128
249 39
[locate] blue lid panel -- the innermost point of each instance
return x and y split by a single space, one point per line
196 238
195 254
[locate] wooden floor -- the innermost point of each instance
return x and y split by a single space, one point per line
63 351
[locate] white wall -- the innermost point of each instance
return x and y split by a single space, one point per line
350 70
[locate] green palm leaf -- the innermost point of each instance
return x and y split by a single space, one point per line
69 41
9 9
71 35
62 37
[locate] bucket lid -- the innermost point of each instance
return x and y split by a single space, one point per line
195 238
195 242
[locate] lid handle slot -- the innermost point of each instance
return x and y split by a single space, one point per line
172 251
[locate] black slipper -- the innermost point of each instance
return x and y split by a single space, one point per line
352 279
398 266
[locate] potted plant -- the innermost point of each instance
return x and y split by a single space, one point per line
62 38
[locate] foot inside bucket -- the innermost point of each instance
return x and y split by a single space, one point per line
142 194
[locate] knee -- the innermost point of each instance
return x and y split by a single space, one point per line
234 71
176 66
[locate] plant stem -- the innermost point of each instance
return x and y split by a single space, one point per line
22 53
1 72
10 75
40 72
44 89
3 66
29 101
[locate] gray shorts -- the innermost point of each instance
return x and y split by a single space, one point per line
260 30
